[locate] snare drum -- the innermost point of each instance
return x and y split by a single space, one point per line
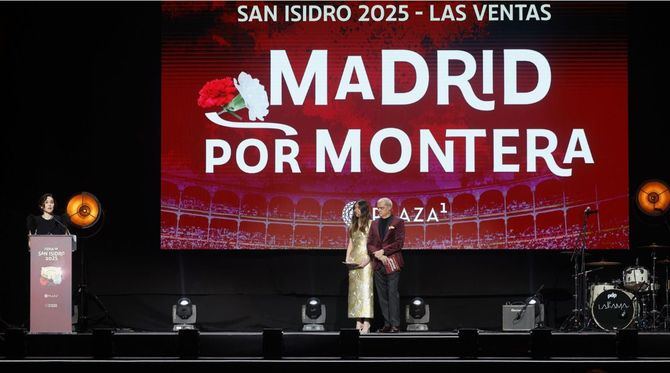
636 278
614 309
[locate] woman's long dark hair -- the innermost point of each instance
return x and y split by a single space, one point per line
360 224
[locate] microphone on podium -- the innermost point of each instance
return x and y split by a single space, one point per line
57 220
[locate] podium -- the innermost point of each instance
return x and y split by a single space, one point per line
51 283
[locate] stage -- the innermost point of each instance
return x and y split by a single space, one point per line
465 347
249 220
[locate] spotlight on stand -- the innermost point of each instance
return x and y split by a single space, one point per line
313 315
653 198
183 314
84 211
417 315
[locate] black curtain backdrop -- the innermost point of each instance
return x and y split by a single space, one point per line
80 111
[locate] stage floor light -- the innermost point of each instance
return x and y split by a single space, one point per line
184 314
313 315
417 315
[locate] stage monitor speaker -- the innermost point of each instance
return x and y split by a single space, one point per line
520 317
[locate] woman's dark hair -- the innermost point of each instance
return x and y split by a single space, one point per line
43 199
360 224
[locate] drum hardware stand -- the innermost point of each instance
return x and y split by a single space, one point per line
580 319
649 318
654 312
666 307
642 317
666 319
587 302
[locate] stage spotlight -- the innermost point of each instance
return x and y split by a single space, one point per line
417 315
653 198
84 210
418 308
313 315
313 308
183 314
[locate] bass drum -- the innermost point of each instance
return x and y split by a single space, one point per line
614 310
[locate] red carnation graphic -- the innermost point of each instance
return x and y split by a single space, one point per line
217 93
231 95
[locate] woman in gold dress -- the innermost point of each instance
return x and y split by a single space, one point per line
361 301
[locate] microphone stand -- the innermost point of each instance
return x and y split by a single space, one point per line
67 230
527 303
579 319
55 218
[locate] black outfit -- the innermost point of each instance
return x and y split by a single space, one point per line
387 286
36 224
383 226
388 296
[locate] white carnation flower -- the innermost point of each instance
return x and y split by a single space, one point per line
254 95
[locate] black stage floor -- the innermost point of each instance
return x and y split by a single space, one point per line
469 348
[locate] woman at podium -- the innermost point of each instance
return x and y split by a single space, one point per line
47 222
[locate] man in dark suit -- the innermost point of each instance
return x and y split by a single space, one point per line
385 241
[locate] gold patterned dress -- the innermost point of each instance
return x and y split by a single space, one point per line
361 296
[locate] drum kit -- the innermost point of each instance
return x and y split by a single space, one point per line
628 302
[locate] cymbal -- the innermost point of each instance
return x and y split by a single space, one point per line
570 252
654 245
604 263
663 261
